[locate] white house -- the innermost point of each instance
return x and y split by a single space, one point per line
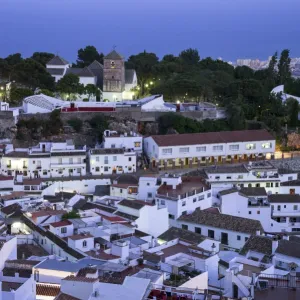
57 67
112 161
132 140
285 211
231 231
199 148
62 228
148 218
147 187
47 159
254 174
82 242
253 203
125 186
183 195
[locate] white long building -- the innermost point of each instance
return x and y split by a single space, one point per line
178 150
45 160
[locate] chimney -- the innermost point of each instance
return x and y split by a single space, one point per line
274 244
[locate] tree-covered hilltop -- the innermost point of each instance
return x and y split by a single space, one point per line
243 92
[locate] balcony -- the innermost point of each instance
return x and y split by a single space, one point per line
8 166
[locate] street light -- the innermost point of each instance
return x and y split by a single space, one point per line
146 85
151 82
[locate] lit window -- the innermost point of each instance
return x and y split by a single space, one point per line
266 145
112 64
137 144
250 146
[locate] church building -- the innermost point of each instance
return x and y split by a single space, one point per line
112 78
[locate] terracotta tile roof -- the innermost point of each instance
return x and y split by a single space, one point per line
44 213
77 237
126 216
186 235
88 270
81 279
288 248
291 183
261 244
113 219
4 178
48 290
8 286
188 187
101 255
104 151
63 296
284 198
132 204
13 195
223 221
69 153
10 209
212 137
61 223
36 181
253 191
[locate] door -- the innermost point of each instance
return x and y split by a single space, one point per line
186 161
224 238
235 291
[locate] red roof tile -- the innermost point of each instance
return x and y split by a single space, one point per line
48 290
82 279
212 137
61 223
80 236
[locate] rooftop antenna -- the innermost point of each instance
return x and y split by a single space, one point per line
114 47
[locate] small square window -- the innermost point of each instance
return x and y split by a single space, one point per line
194 200
238 237
250 212
185 227
258 212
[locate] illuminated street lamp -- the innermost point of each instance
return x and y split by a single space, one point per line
151 82
146 85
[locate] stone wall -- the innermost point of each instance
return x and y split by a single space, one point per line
133 113
7 125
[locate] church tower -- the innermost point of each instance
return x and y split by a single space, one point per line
113 77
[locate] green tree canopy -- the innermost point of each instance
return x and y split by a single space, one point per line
87 55
69 84
190 56
143 63
42 57
91 90
32 74
284 70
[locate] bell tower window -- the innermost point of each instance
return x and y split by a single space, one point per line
112 64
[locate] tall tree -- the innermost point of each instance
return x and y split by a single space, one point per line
284 71
32 74
272 71
90 90
42 57
7 64
143 63
235 115
190 56
87 55
292 110
69 84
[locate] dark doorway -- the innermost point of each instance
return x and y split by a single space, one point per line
224 238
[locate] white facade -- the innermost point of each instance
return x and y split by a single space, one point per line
62 230
261 174
187 197
84 244
44 161
149 218
236 239
112 161
132 140
147 188
200 153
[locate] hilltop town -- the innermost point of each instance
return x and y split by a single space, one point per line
117 182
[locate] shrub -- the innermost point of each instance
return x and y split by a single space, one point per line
76 124
85 99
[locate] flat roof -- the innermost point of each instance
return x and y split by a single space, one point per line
66 266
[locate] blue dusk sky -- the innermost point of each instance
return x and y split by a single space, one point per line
229 29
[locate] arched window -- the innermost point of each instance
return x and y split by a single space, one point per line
249 185
112 64
84 244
